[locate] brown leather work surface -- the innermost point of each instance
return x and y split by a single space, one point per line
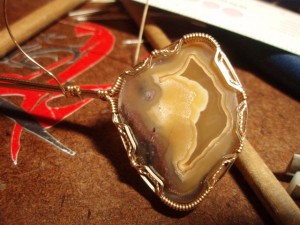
98 185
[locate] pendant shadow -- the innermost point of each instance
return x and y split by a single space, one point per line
110 145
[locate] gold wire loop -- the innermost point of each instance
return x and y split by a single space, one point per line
49 73
73 90
102 94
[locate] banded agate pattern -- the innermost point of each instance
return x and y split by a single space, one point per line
181 108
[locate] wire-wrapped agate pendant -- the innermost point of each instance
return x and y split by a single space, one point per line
181 114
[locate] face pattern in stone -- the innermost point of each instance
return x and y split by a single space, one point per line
183 115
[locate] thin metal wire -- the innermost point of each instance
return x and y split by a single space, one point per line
138 48
28 56
70 90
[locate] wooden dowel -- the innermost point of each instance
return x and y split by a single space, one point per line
260 178
31 24
157 38
267 188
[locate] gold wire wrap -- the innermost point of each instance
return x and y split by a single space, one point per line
70 90
73 90
152 180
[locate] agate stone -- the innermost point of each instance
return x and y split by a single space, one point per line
184 110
